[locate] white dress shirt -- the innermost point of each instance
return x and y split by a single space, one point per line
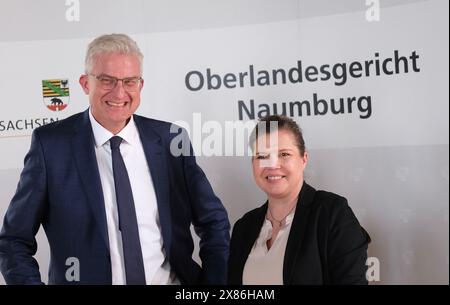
265 266
157 268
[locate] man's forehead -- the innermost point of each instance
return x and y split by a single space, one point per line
112 63
105 57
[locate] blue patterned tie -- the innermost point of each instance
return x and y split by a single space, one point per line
134 265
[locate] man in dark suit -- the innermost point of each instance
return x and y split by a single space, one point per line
110 194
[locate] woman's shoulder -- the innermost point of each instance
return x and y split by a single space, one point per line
325 202
333 207
330 198
252 216
320 198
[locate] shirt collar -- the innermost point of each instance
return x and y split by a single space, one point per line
101 135
290 217
266 230
286 222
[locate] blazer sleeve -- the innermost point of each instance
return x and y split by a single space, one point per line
347 247
210 222
22 220
235 262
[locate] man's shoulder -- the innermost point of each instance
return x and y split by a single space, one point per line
162 128
63 126
139 119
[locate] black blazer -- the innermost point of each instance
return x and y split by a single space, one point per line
326 244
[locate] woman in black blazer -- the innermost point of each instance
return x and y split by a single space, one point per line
300 235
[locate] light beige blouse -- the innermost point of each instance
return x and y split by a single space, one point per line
265 266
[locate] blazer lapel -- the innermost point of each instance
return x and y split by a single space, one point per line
86 162
157 162
249 238
297 232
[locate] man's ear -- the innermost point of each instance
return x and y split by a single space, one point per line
84 82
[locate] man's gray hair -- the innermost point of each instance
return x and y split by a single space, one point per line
112 43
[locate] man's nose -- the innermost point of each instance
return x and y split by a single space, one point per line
119 90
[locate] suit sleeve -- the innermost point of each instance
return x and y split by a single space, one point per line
210 222
347 247
22 221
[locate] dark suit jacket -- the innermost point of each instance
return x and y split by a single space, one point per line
326 244
60 188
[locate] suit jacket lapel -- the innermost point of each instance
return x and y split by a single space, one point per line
157 162
249 238
86 162
297 232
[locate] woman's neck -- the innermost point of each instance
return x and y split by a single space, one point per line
281 207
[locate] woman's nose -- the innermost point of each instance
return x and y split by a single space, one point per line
272 162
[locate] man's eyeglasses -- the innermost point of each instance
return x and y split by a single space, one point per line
130 84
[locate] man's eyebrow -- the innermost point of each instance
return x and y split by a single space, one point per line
107 75
103 74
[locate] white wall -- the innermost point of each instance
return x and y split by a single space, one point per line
392 166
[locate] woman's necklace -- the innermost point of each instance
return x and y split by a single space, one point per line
280 222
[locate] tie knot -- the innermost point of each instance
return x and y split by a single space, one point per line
115 142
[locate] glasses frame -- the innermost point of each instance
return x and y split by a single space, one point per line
116 81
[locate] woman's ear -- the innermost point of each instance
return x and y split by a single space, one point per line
305 159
